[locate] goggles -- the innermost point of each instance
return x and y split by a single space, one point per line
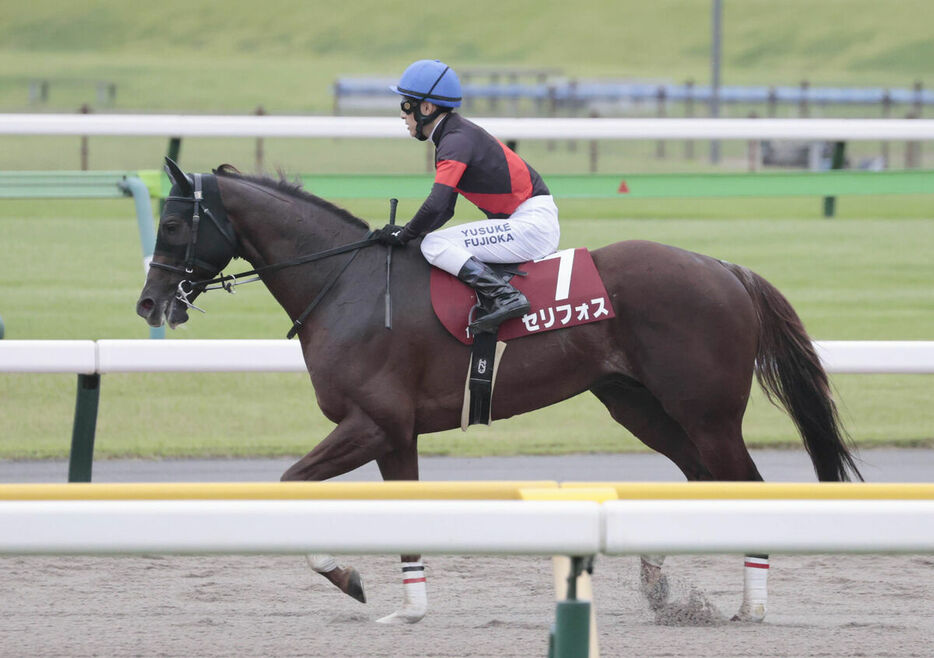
409 105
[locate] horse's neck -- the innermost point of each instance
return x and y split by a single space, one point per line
276 228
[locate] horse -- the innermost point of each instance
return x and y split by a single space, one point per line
674 366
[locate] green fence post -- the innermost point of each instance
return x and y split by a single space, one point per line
175 147
572 630
570 635
830 202
82 435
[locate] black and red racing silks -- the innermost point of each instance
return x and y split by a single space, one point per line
470 161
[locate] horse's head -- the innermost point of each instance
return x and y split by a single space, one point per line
195 241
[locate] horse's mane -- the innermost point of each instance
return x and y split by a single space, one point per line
292 189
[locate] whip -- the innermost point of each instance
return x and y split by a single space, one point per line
392 220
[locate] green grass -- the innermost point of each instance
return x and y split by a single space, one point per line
161 416
72 270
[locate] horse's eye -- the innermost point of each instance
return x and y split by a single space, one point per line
170 228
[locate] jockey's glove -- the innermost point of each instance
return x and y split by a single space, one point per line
392 235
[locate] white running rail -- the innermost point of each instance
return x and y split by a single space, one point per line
279 355
616 527
180 125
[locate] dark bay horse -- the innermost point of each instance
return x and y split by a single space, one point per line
675 366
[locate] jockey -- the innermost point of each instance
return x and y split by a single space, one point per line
522 217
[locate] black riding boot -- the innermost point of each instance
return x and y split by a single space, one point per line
497 297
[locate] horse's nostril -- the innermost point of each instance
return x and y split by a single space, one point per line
147 304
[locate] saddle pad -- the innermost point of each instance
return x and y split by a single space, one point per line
564 290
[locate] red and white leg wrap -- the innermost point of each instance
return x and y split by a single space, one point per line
415 602
755 589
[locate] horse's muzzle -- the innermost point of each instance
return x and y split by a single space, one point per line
177 314
158 313
151 311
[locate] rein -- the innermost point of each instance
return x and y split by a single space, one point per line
229 281
219 282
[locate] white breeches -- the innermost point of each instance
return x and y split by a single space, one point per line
530 232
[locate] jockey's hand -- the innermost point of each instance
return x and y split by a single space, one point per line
392 235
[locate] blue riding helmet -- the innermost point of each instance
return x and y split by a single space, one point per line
430 80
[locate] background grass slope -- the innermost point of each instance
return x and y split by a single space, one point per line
232 55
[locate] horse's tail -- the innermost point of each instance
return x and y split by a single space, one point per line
789 370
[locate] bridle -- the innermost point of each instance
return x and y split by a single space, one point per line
187 287
223 227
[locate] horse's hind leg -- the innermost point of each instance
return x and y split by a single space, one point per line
712 416
635 408
729 459
402 464
639 411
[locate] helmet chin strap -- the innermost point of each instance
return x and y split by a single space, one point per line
422 120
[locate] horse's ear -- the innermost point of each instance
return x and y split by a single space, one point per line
177 176
227 169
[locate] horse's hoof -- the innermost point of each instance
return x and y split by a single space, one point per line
403 616
750 613
354 587
657 593
348 580
654 586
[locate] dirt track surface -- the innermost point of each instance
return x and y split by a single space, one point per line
479 606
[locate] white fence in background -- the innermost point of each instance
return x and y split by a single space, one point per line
279 355
172 125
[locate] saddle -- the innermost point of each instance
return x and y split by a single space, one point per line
564 289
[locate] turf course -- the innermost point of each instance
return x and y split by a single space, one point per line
71 270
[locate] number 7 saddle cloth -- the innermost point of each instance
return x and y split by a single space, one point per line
564 289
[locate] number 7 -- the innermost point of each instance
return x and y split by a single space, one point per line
565 265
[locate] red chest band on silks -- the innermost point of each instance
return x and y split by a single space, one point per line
564 290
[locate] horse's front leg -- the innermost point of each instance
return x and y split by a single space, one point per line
402 464
346 579
355 441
